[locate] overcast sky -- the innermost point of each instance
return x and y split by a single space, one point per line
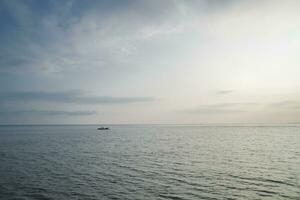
134 61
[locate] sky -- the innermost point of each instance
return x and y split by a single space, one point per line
142 61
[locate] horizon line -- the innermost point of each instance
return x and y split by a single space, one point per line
191 124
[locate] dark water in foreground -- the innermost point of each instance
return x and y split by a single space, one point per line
149 162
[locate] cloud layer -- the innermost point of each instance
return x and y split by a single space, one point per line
47 113
73 97
208 58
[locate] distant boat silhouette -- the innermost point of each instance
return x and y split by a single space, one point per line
103 128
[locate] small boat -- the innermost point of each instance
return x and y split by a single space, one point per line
103 128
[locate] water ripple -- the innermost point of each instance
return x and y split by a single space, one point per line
149 162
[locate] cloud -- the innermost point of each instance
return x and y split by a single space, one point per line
71 35
223 92
47 112
73 97
266 107
285 105
154 48
222 108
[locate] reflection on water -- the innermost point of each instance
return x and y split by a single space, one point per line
149 162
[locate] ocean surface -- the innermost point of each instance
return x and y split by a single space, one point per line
150 162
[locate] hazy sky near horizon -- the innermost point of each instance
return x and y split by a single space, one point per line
130 61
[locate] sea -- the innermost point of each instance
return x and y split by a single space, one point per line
150 162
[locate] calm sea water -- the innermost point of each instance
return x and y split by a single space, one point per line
149 162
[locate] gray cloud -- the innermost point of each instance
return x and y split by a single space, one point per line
70 34
127 45
223 92
46 113
217 108
223 108
286 105
75 97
